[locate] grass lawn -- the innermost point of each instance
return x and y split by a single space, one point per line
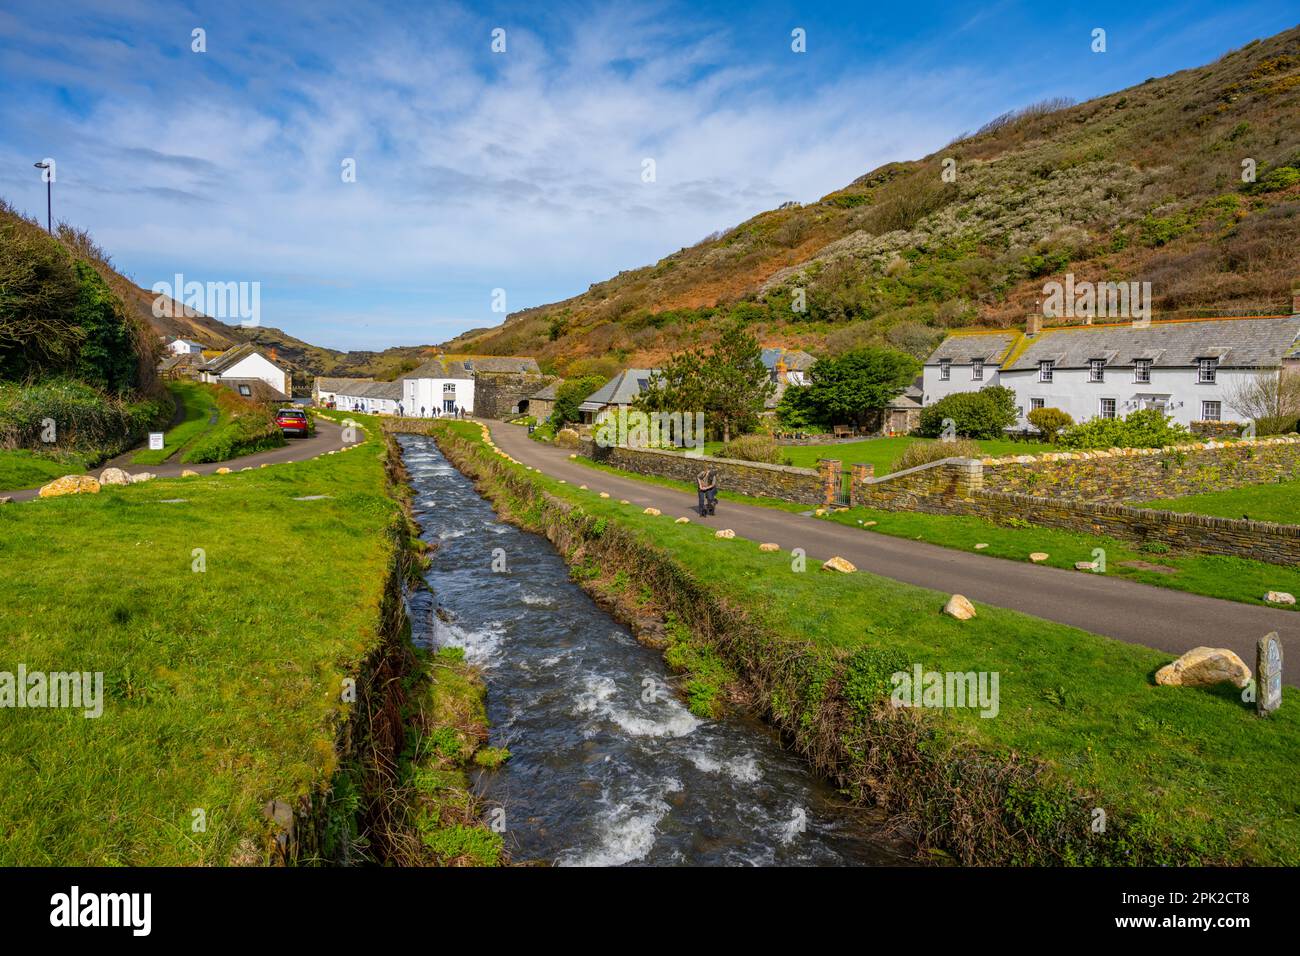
1278 502
198 407
221 686
20 468
1188 762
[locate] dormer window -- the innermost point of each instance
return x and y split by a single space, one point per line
1096 370
1142 371
1207 370
1045 370
945 370
976 370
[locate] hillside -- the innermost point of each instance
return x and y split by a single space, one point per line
1141 185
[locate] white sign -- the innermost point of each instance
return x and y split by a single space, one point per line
155 441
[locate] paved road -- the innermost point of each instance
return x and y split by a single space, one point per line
328 437
1168 620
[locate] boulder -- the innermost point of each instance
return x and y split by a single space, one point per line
652 511
682 520
769 546
143 476
960 607
843 565
624 501
582 488
6 500
189 473
724 533
604 494
1204 667
114 476
981 546
225 471
1085 565
70 485
1038 557
869 524
1279 597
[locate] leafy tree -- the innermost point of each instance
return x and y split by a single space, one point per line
1050 421
570 395
796 410
849 387
982 414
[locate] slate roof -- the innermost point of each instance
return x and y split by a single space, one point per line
325 384
795 359
388 390
441 367
961 347
549 394
912 396
619 390
261 391
231 356
1236 343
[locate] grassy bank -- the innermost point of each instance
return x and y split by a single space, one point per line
243 427
1279 502
20 468
224 637
1183 776
197 405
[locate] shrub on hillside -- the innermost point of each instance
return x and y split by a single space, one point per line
982 414
79 419
1050 421
924 452
1145 428
247 427
753 447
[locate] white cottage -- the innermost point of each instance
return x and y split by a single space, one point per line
244 361
1189 368
440 386
182 347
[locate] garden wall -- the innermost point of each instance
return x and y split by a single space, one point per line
1143 474
801 485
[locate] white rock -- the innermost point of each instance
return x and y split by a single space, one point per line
143 476
1279 597
960 607
724 533
1039 556
114 476
981 546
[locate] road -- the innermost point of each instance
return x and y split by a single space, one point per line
328 437
1162 618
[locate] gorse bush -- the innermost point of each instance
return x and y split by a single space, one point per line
924 452
1145 428
982 414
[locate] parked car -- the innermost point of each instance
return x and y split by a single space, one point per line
292 421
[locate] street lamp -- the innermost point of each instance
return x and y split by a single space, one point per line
49 202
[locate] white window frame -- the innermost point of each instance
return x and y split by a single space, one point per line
945 370
1207 371
1096 370
977 370
1142 371
1218 410
1036 403
246 391
1101 408
1045 370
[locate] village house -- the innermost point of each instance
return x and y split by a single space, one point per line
618 392
483 385
542 403
785 367
244 361
1189 368
439 387
178 346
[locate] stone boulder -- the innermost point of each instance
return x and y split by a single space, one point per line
604 494
981 546
1204 667
1279 597
114 476
724 533
70 485
223 471
843 565
769 546
960 607
1085 565
189 473
652 511
1038 557
143 476
682 520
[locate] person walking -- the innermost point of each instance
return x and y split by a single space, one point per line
706 483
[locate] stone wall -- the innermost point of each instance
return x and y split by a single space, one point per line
497 393
801 485
958 486
1143 474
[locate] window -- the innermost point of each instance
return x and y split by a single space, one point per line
1108 408
945 370
1142 371
1045 370
1207 370
1036 403
450 387
1211 411
976 370
245 391
1096 370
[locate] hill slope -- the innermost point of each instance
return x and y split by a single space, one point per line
1141 185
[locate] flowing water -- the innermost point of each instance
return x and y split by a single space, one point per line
607 765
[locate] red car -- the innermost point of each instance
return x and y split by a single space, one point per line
292 421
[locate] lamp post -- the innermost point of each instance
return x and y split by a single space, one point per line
49 199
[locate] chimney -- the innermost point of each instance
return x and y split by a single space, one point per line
1033 323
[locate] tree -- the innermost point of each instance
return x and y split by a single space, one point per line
796 411
1050 421
1269 399
570 395
849 387
982 414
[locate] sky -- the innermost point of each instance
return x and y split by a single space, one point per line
489 179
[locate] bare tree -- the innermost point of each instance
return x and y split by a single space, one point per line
1270 399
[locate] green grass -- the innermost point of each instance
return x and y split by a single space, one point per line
20 468
198 407
222 688
1279 502
1194 764
1232 579
883 452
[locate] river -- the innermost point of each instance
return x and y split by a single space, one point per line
608 766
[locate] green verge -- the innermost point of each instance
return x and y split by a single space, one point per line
1278 502
198 405
1184 776
221 687
20 468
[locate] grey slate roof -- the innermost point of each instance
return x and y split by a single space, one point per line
619 390
389 390
260 390
550 393
325 384
795 359
959 349
1236 343
441 368
230 356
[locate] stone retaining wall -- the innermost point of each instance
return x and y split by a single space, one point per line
801 485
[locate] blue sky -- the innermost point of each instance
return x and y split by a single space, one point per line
520 170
